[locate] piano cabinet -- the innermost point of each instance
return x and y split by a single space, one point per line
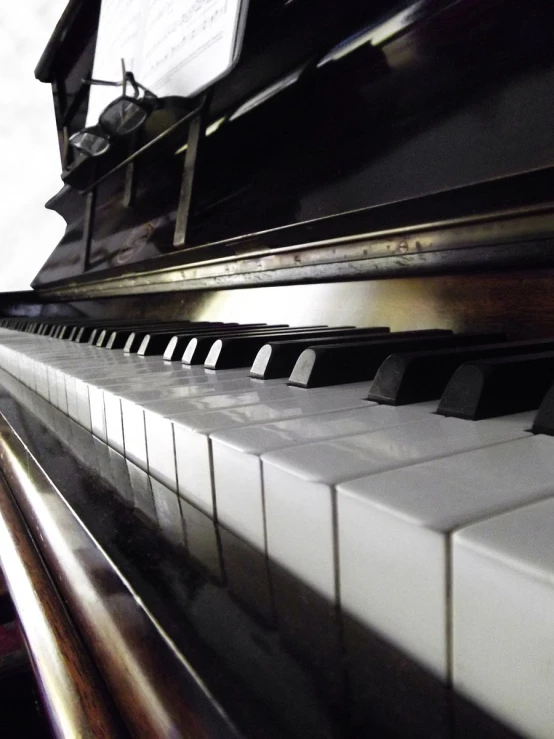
186 547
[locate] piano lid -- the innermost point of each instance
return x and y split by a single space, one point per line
347 141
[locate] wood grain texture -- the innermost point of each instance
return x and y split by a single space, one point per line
156 692
73 694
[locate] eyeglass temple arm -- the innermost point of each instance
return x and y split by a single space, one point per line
101 82
130 77
79 96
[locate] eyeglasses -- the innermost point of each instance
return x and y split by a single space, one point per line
122 117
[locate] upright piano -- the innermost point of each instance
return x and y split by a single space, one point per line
277 418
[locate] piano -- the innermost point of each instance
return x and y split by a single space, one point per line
277 415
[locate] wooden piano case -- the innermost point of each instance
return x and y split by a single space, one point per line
403 178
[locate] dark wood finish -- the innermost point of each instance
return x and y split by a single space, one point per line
144 675
3 585
364 140
73 694
89 224
194 144
519 302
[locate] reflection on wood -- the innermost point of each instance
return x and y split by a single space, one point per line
72 690
153 689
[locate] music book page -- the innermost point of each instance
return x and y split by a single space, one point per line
173 48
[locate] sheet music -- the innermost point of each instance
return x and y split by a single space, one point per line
187 45
173 48
118 35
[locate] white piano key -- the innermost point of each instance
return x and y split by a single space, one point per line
503 615
52 386
169 395
160 447
394 534
72 402
62 392
237 455
247 576
120 476
219 393
113 420
299 483
142 492
133 404
83 405
41 379
168 513
192 449
202 539
159 428
97 413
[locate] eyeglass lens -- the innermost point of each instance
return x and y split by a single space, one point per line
90 143
122 117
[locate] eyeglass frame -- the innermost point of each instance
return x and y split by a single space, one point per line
147 102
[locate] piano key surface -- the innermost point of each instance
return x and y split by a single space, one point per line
299 483
394 533
179 447
503 614
279 465
237 456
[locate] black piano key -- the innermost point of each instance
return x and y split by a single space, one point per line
277 358
544 420
137 336
197 349
103 333
91 334
240 351
498 387
102 338
213 330
179 342
336 365
158 344
417 376
92 339
69 332
119 337
82 334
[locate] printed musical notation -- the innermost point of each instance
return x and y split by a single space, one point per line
173 48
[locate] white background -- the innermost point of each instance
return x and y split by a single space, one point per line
29 159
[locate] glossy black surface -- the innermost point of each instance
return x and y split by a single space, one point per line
280 660
338 107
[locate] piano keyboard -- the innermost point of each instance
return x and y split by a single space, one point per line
402 476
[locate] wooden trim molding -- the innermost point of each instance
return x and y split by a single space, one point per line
155 690
72 691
